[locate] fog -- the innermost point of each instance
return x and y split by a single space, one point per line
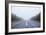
25 12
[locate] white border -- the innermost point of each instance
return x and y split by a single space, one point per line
26 29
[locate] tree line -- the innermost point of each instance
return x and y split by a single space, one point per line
15 18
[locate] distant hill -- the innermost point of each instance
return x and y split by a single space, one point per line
37 17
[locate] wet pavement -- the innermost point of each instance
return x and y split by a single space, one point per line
25 24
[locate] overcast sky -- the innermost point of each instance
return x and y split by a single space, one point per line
26 12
